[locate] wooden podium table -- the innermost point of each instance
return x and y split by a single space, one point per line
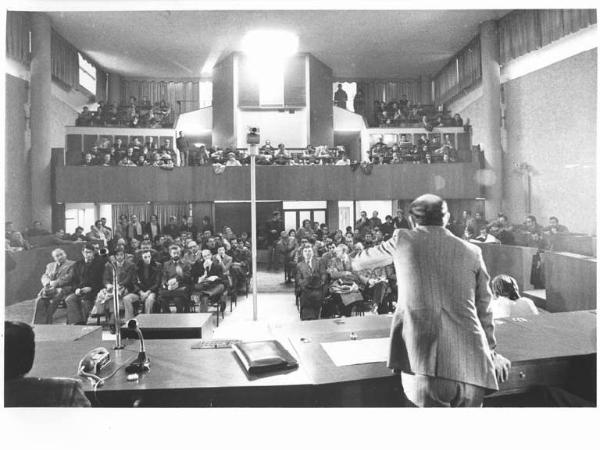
172 326
68 333
551 349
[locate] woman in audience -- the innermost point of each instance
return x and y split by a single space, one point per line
507 300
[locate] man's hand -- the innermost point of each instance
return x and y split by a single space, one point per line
502 367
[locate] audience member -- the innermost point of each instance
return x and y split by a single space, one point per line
57 284
176 277
87 282
555 227
507 300
209 280
274 228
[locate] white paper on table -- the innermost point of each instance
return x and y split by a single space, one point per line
360 351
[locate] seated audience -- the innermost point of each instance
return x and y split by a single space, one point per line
88 275
57 284
126 277
209 280
507 301
281 157
84 119
241 264
486 237
16 242
555 227
343 161
25 392
231 161
176 277
36 230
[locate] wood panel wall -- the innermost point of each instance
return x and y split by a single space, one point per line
192 184
570 282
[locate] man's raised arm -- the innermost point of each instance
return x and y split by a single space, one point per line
379 256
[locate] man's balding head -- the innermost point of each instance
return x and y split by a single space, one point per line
429 209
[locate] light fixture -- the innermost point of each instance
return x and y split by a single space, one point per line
270 43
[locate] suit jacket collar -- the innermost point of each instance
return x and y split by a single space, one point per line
432 229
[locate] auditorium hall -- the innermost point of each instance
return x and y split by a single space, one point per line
299 208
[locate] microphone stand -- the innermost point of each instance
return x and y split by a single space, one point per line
118 343
142 362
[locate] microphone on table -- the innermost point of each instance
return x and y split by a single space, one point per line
142 362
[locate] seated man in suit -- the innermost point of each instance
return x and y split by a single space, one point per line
310 282
240 266
57 282
87 282
22 391
175 281
207 274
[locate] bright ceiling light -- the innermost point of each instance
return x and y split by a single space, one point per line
270 43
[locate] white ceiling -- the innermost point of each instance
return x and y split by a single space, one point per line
355 44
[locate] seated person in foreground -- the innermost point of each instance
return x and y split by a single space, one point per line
22 391
148 277
507 300
207 274
57 283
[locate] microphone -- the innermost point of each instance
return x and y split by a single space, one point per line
142 362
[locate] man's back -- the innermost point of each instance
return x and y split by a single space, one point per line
443 324
43 392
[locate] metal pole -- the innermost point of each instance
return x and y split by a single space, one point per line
118 344
253 151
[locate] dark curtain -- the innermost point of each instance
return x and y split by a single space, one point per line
523 31
101 80
446 82
386 91
182 96
17 36
64 61
143 211
469 64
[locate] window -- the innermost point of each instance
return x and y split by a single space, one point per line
87 75
270 91
205 94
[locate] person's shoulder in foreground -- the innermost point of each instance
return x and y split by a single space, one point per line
22 391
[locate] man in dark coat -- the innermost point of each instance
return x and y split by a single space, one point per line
87 282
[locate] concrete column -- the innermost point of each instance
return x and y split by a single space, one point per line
41 116
114 88
333 213
491 118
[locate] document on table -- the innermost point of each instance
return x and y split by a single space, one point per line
360 351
